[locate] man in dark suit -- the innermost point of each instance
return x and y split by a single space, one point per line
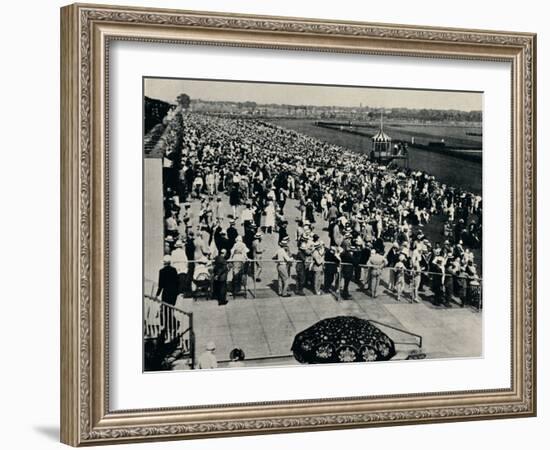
168 287
220 277
347 270
232 234
168 282
392 257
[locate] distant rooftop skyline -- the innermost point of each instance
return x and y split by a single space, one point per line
168 89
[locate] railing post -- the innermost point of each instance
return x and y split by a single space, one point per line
338 293
245 272
191 340
233 280
254 277
410 283
168 323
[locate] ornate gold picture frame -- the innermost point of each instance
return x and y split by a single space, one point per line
86 34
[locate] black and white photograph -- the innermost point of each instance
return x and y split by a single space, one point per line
295 224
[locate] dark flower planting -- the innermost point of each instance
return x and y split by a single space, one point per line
342 339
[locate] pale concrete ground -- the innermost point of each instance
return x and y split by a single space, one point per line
265 326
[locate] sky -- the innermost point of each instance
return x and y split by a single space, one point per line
318 95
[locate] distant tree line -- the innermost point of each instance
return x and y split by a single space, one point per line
343 112
435 115
156 110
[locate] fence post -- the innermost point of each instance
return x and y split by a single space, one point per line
409 274
191 340
233 281
338 294
169 320
253 272
244 279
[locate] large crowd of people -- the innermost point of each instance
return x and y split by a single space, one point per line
376 217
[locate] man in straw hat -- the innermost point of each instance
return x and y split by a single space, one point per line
376 263
318 257
257 255
283 267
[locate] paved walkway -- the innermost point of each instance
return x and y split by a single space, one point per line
265 327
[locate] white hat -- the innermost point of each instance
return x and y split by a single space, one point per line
211 346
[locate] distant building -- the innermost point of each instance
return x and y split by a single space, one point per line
382 151
381 144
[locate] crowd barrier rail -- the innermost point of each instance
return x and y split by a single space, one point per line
333 273
177 323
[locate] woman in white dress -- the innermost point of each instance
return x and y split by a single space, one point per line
269 217
238 257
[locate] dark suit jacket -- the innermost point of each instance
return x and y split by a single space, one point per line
347 264
168 284
220 268
232 234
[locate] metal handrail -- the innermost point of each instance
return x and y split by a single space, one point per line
168 305
339 266
399 329
365 266
189 330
